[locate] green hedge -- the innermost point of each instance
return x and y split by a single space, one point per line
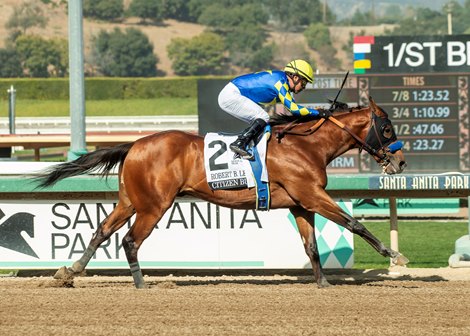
102 88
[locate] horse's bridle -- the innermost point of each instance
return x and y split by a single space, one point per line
381 134
379 138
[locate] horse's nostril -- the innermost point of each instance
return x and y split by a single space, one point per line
402 164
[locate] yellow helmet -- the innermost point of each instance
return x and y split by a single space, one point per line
301 68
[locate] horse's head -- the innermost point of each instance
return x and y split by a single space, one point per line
382 139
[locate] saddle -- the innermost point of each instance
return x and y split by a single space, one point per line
226 171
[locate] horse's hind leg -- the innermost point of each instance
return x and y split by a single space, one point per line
116 219
306 223
140 230
144 224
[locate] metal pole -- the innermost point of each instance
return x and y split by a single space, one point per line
11 108
468 215
449 18
449 23
393 225
76 81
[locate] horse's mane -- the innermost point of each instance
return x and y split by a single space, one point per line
281 119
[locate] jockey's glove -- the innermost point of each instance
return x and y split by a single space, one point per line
322 113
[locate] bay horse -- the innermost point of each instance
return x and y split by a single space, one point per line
156 169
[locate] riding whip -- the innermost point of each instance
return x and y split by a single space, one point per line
340 89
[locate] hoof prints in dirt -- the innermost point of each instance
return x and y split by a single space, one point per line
63 278
55 283
66 283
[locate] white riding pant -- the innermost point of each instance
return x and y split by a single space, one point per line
239 106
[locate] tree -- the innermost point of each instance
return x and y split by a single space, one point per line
248 14
424 22
124 54
317 35
61 47
360 18
318 38
465 13
54 3
460 15
261 59
294 14
200 55
393 14
103 9
175 9
10 65
246 44
245 38
241 27
196 8
40 57
29 14
147 10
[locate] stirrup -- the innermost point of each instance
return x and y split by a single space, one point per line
244 154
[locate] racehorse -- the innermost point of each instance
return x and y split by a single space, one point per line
156 169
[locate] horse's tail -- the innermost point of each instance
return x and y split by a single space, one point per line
103 160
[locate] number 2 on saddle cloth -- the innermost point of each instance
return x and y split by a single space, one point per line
224 170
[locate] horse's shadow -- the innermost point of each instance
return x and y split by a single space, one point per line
336 277
380 278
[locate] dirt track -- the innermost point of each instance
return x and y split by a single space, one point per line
410 302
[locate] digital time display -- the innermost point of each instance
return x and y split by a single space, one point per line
427 112
430 114
428 95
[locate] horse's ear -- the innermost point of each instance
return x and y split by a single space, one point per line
338 106
376 109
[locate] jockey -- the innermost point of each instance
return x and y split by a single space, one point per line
244 96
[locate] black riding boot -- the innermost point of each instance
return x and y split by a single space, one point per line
239 146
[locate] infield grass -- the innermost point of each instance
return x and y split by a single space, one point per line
113 107
426 244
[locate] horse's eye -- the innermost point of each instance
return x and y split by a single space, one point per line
387 131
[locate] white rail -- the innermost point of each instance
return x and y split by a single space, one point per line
61 125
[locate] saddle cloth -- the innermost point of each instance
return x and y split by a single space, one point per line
226 171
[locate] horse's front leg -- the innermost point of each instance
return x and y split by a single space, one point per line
306 223
325 206
118 217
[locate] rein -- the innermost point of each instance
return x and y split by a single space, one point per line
292 124
364 145
311 130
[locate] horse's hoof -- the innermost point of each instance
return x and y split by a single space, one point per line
65 277
63 273
67 273
141 286
400 260
323 283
